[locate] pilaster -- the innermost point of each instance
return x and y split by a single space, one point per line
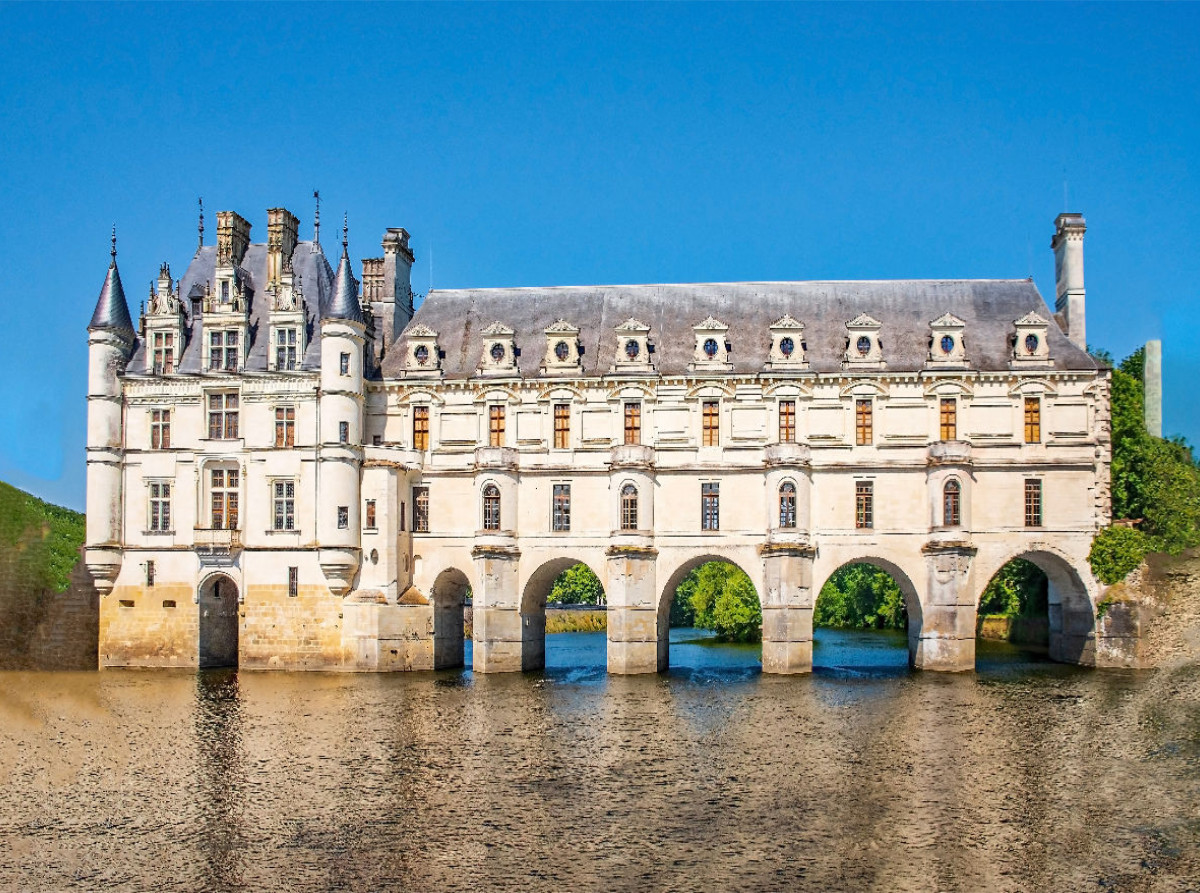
787 608
637 635
499 638
944 637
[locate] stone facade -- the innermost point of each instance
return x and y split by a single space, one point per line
340 472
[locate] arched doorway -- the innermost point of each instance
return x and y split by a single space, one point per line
536 595
714 595
1045 585
218 606
866 614
451 589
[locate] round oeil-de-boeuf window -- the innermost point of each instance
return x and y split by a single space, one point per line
1031 343
787 347
562 351
421 354
632 349
497 352
710 348
864 345
947 344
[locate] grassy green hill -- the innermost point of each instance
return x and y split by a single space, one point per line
39 542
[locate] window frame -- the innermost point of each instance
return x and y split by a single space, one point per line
420 427
1034 503
224 498
344 364
283 505
562 426
629 506
293 581
710 505
952 503
491 507
787 421
287 349
864 505
158 509
226 417
369 515
285 427
162 357
864 421
560 508
633 421
343 517
947 418
420 508
710 423
496 424
224 350
160 429
1033 419
787 505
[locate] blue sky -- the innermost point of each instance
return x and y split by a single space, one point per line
533 145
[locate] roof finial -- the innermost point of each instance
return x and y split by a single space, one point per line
114 245
317 220
345 230
201 228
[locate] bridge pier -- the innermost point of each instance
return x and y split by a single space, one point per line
787 609
637 636
944 636
499 639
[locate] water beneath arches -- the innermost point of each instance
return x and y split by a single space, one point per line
1026 775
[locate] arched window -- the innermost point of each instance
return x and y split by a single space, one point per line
491 507
787 504
629 507
951 504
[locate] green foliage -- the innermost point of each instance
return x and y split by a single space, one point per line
577 585
861 596
39 542
719 596
1154 480
1019 589
1116 551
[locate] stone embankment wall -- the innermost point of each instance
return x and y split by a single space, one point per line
572 619
46 630
1159 603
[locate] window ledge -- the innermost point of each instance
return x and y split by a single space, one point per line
158 533
273 532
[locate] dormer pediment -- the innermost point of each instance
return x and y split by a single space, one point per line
497 329
863 321
787 321
420 330
1032 318
947 321
711 324
633 325
562 327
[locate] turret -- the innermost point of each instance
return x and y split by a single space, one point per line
110 344
1068 275
343 334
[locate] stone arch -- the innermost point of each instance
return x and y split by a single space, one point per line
745 561
903 578
217 599
1071 612
448 594
534 593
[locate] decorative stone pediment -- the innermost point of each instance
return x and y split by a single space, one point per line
947 347
633 347
499 351
864 348
711 352
564 355
788 349
422 357
1030 346
163 325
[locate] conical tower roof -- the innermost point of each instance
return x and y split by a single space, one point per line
112 312
344 303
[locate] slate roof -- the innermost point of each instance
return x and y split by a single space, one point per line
344 303
112 311
905 309
314 276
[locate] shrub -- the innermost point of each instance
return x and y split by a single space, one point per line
1116 551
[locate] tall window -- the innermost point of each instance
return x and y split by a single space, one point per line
164 353
863 427
1033 420
284 503
952 504
344 364
1033 503
864 505
421 428
370 513
562 425
150 574
787 421
710 506
223 351
224 291
343 432
787 505
711 421
633 423
491 507
948 418
420 523
285 426
343 517
293 582
285 349
223 416
629 507
561 508
224 498
160 429
160 506
496 425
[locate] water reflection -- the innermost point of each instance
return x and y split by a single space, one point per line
865 775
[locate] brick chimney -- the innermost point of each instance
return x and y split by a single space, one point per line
282 227
1068 273
233 238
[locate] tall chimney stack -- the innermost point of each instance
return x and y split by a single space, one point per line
1152 380
1068 273
233 238
282 227
397 277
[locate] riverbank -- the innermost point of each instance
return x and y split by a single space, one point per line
1029 631
566 619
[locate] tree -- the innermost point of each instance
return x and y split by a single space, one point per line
577 585
720 597
861 596
1019 589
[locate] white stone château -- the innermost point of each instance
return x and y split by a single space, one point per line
287 469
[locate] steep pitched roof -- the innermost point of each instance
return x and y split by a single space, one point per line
904 308
344 303
112 312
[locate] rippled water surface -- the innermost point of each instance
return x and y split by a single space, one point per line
1023 776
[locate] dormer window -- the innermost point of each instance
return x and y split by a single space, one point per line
633 347
563 351
421 354
787 344
499 351
164 353
947 347
864 348
224 291
1031 343
712 352
947 344
223 350
863 345
421 357
285 349
1029 346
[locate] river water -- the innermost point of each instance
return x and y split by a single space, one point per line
1026 775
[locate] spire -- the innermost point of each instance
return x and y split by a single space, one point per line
344 303
316 242
201 228
111 310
